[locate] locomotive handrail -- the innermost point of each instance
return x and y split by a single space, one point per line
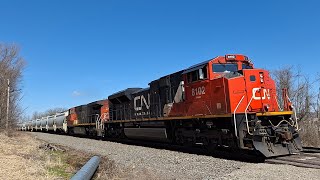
295 117
97 120
246 114
276 97
234 117
295 113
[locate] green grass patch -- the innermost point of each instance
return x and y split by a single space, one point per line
58 164
60 171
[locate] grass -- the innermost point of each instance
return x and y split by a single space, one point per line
309 132
64 164
22 156
60 171
61 167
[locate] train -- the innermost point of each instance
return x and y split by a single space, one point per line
221 102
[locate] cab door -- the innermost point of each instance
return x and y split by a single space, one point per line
197 92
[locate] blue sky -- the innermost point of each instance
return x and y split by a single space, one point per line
81 51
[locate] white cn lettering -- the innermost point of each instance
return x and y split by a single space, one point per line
143 102
266 94
135 103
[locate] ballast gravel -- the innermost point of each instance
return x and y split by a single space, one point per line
151 163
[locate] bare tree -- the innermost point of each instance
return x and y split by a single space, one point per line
36 115
298 87
284 79
316 104
49 112
11 68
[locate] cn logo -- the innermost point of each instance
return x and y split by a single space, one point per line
140 101
256 95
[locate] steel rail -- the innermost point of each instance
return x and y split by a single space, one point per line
308 158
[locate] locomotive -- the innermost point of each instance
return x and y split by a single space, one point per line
221 102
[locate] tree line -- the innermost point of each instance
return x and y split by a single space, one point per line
303 92
49 112
11 69
12 65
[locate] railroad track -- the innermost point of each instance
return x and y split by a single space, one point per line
308 158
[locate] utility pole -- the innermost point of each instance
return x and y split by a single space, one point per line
8 104
318 106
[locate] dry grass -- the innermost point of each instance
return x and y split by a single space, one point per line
20 158
67 163
309 133
107 169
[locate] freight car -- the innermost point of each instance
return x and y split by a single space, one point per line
221 102
56 123
89 119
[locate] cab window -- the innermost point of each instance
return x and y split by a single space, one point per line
224 67
246 66
252 78
198 74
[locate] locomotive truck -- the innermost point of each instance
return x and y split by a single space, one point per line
221 102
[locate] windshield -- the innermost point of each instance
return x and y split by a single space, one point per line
224 67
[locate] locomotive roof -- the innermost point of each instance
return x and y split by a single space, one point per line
131 90
196 66
97 102
124 93
141 90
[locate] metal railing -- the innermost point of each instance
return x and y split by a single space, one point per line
234 117
246 115
295 113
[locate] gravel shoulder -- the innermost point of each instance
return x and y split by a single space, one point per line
271 171
149 163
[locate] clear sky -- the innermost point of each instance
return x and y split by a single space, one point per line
81 51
